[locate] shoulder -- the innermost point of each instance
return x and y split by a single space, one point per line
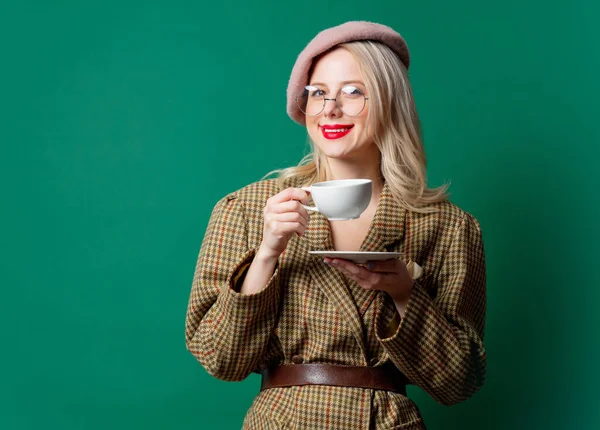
431 236
243 209
256 192
260 191
446 218
250 200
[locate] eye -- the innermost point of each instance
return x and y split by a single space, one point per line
313 91
352 91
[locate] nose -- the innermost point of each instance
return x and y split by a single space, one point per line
332 109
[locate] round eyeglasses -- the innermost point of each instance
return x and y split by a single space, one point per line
350 99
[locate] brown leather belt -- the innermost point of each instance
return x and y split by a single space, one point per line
386 377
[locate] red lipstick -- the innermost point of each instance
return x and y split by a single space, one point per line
335 131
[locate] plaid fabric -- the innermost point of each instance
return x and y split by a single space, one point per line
309 311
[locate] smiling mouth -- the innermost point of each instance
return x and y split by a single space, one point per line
336 131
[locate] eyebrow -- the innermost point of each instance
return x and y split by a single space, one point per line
316 84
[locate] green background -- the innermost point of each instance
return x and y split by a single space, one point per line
122 124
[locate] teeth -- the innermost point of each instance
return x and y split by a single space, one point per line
337 130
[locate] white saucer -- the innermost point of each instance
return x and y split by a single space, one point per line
359 257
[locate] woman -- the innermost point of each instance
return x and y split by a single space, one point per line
337 342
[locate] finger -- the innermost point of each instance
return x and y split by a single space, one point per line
289 217
285 228
353 269
291 207
288 206
365 279
385 266
290 194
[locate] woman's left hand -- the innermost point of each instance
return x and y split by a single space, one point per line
390 276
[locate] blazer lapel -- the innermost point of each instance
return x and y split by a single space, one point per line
385 234
387 228
330 280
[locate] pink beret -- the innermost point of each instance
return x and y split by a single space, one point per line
327 39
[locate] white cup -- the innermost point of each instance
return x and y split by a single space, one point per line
340 200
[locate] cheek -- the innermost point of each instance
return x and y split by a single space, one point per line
311 121
367 129
312 127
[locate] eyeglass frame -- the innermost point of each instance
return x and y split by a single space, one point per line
325 99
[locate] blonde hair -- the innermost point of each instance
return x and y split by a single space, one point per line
397 132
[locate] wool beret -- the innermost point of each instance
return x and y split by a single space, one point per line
327 39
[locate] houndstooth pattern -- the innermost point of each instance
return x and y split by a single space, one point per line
310 310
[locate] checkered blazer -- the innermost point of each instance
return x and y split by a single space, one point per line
310 313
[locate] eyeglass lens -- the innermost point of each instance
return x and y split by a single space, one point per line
350 99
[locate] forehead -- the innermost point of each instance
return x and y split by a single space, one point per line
336 66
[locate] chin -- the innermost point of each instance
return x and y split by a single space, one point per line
329 149
340 149
340 155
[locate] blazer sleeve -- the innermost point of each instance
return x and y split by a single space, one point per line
438 344
228 331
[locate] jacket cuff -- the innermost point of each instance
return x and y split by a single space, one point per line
400 334
248 307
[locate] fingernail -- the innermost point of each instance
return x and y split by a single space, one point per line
335 263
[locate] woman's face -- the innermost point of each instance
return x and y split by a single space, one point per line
336 134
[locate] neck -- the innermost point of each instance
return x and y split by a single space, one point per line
358 169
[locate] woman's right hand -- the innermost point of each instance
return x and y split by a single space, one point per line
283 217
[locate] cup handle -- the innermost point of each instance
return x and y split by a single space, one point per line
309 208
